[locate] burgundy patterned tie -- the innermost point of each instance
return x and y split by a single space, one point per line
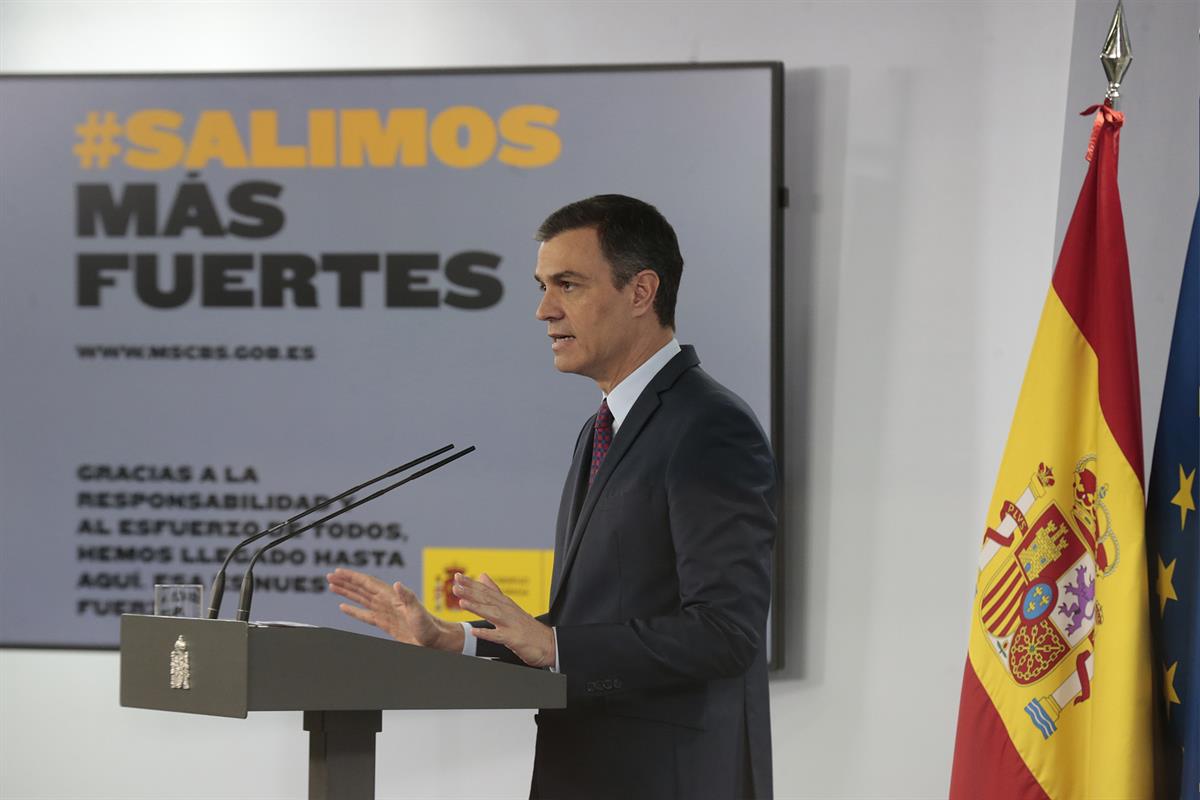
602 434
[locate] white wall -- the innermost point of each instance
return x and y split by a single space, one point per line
923 144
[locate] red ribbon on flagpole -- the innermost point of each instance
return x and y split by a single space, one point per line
1105 115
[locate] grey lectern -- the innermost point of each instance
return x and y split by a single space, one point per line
341 681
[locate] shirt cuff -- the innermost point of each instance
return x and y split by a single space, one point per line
470 643
469 640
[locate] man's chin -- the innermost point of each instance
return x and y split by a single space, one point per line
564 363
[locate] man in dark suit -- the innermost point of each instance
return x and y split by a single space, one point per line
661 585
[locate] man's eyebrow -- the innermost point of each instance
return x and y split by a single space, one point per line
566 274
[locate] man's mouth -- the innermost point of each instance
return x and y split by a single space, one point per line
559 341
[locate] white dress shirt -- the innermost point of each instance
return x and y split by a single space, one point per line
620 403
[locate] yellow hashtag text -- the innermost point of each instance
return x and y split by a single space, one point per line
462 137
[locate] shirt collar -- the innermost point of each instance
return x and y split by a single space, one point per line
625 394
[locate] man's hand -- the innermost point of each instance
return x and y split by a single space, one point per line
532 641
394 609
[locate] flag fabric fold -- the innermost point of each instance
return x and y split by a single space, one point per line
1173 540
1057 688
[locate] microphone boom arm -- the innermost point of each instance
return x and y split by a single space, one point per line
243 613
217 591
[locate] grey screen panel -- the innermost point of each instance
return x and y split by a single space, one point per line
287 403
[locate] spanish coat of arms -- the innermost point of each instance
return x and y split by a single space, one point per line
1038 602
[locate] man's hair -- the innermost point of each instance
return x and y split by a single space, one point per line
634 236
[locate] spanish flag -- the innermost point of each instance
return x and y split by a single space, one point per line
1056 697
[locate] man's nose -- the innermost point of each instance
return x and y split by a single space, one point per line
548 308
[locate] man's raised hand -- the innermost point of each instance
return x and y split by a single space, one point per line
394 609
516 629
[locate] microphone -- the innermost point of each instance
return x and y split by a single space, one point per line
243 614
218 584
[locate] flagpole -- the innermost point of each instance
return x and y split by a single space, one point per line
1116 55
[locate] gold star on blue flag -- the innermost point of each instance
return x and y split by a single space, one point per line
1173 536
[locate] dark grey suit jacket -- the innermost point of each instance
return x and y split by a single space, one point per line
660 594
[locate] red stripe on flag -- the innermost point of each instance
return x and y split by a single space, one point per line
1012 604
1010 589
986 765
1000 584
1092 280
1006 602
1008 625
1004 627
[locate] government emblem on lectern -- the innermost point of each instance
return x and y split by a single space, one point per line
1038 606
181 665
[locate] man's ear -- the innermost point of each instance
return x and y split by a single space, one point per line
645 289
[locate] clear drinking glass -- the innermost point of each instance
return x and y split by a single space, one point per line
178 600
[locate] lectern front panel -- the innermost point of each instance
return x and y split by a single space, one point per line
196 666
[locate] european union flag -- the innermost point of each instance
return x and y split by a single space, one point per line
1173 535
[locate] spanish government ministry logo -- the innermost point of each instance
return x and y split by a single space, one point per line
1038 606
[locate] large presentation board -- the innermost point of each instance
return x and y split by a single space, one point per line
225 297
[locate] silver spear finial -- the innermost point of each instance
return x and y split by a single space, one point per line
1116 55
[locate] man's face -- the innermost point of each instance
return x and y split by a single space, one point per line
590 321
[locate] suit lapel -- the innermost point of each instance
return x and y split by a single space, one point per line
572 500
623 441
